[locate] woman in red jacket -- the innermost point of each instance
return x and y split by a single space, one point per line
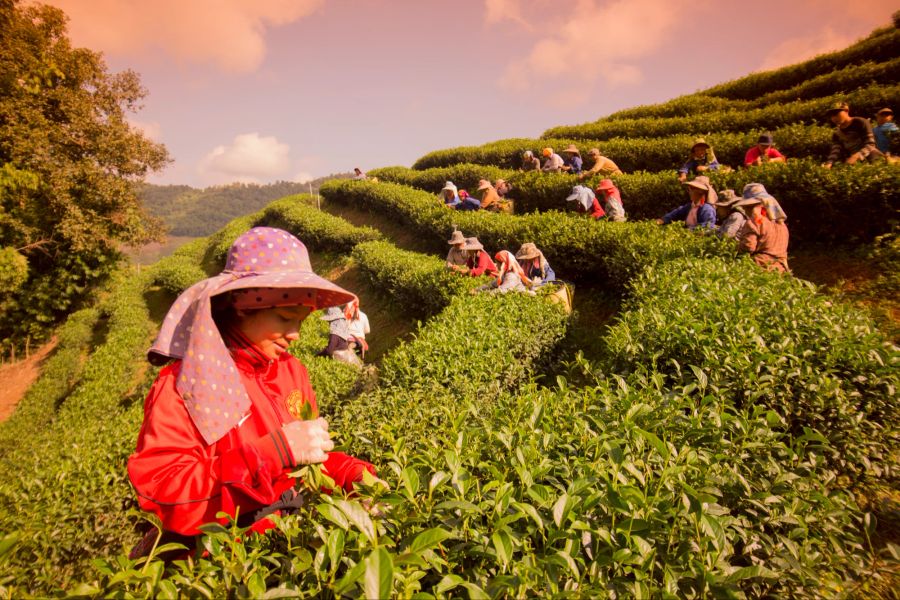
221 429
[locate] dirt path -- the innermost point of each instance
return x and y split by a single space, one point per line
17 377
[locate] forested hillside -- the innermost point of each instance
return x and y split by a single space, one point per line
191 212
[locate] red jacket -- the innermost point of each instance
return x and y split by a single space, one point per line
185 481
485 265
597 211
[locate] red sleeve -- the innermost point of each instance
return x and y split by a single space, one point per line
750 156
485 265
597 210
774 153
185 481
345 469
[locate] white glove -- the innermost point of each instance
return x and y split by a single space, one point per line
309 441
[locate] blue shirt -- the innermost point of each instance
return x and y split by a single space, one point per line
882 141
469 203
706 215
691 166
576 163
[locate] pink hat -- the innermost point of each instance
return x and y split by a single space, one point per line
266 267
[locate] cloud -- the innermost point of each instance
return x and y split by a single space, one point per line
229 34
802 48
150 129
598 42
250 158
497 11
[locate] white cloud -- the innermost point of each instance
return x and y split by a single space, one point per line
598 42
250 157
229 34
805 47
150 129
497 11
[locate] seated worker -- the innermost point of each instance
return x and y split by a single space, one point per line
764 151
586 202
700 211
358 174
758 190
572 162
491 200
602 166
700 160
358 326
765 240
884 130
534 265
232 413
553 162
339 336
467 202
503 188
530 162
457 255
731 219
853 139
510 278
450 195
479 262
612 200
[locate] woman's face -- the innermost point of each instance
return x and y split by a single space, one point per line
273 329
448 194
696 194
699 151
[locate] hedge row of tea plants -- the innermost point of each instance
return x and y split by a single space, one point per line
577 247
866 101
843 80
638 154
750 338
317 229
420 284
841 204
880 46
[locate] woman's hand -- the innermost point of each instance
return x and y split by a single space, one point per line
309 441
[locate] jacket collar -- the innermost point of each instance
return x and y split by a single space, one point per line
246 355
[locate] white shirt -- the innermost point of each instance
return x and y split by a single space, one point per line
359 327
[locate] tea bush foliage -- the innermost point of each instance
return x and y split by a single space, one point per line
630 154
317 229
865 101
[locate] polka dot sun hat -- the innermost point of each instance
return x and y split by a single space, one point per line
266 267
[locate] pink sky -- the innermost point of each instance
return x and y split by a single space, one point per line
265 90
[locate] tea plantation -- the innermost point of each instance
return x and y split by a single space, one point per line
736 436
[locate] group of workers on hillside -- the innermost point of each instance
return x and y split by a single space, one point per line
524 271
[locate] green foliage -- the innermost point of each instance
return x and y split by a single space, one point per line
882 45
639 154
70 160
477 343
13 270
576 246
865 101
183 269
332 380
317 229
422 285
750 338
841 81
187 211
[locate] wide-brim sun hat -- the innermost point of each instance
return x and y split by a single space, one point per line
700 142
484 184
571 149
756 190
885 111
333 313
527 251
605 184
472 243
701 182
456 237
747 202
727 198
449 186
265 268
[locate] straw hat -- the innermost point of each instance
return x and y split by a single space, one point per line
701 182
456 238
700 142
527 251
838 107
472 243
484 184
571 149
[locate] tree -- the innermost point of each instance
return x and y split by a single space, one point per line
69 165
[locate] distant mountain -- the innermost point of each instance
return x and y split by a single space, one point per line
193 212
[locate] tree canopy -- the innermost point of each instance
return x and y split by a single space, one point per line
69 162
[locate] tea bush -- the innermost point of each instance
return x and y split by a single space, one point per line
422 285
839 81
317 229
882 45
750 338
865 101
183 268
13 270
630 154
